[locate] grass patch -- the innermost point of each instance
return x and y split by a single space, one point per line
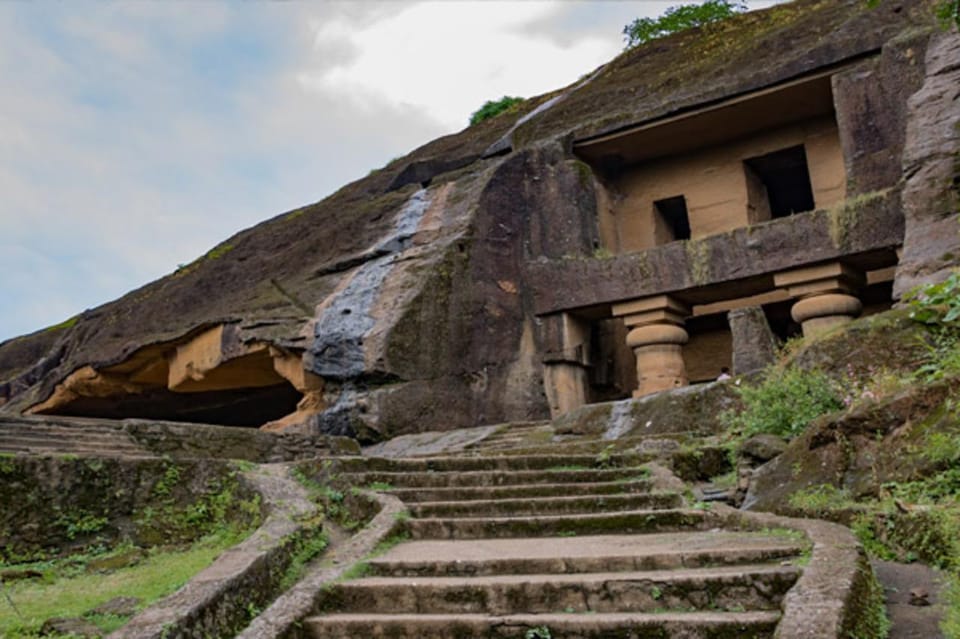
67 591
65 324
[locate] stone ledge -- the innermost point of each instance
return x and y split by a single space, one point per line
282 619
863 231
833 595
216 600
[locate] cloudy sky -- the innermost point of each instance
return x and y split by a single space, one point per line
134 136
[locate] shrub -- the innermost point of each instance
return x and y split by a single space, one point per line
783 403
493 108
679 18
937 304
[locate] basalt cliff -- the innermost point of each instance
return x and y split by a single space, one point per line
663 219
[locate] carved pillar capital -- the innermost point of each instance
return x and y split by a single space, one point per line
825 295
657 337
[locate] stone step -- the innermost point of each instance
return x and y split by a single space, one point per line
76 424
577 445
493 478
524 428
77 450
585 553
464 493
34 439
722 588
541 461
634 521
666 625
546 505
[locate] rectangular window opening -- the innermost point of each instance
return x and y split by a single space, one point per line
786 179
672 221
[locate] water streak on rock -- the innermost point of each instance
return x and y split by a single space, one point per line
337 351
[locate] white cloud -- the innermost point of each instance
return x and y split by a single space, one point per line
447 58
136 136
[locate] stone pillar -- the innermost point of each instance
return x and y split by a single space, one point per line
565 362
754 344
825 296
656 337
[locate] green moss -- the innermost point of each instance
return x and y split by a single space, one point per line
698 259
820 499
68 323
584 173
308 545
872 622
7 465
173 520
218 251
844 218
294 214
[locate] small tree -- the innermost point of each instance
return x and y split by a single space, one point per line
679 18
491 108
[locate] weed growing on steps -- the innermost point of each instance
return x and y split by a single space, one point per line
603 458
539 632
309 546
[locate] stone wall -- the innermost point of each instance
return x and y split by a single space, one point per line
55 505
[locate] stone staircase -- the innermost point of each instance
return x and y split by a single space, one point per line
547 546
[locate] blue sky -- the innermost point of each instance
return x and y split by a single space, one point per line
134 136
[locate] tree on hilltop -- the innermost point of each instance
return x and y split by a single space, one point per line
679 18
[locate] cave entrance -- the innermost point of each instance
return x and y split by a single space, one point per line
248 407
211 377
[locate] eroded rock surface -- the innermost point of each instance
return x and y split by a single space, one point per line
418 298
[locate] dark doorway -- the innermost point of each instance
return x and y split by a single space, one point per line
672 221
786 179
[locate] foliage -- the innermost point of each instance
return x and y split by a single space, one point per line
873 623
949 11
951 618
783 403
540 632
937 304
308 547
221 509
80 523
679 18
492 108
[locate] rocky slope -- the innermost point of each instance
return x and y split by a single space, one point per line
405 301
